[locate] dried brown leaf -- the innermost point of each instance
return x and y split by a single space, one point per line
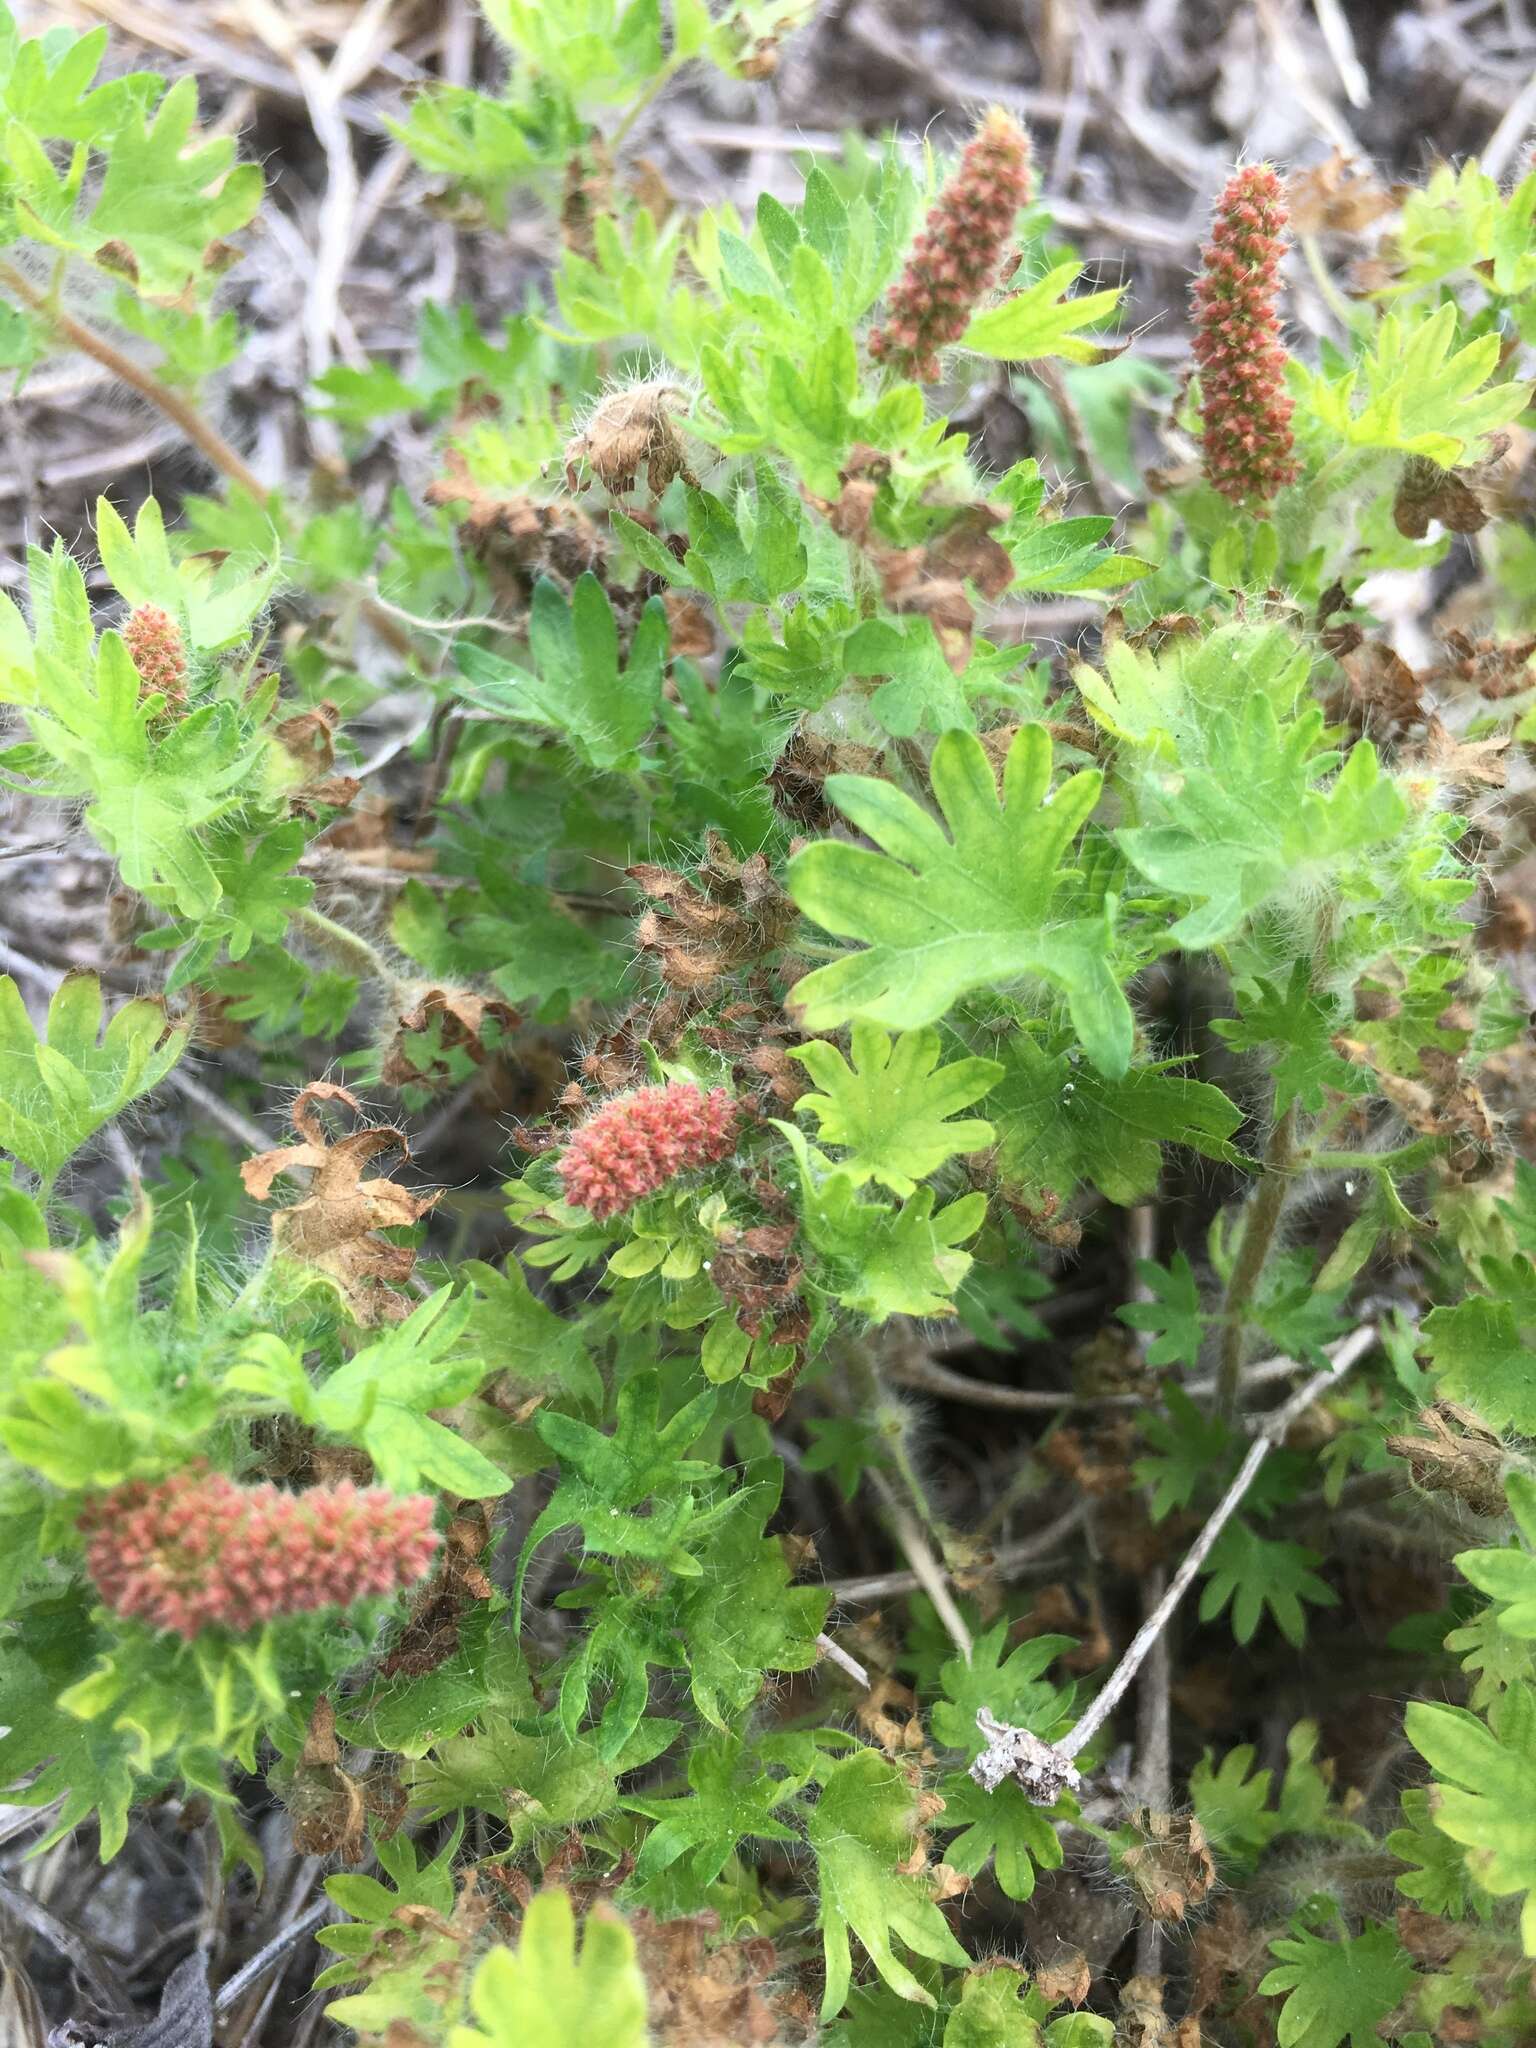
449 1020
631 431
335 1226
1066 1979
1338 197
1426 492
1171 1866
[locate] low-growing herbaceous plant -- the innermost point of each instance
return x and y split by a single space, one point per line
840 978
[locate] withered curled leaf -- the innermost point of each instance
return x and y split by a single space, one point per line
335 1226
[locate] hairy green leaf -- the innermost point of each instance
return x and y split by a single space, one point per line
893 1112
57 1092
945 914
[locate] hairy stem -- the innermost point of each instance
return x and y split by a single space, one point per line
637 106
203 435
1096 488
351 945
1258 1236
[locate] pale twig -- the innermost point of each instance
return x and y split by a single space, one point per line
1010 1560
836 1654
1290 59
1511 131
22 968
1334 23
113 460
402 741
469 623
184 37
1044 1769
1271 1431
930 1377
323 88
264 1958
1095 486
359 874
925 1566
1151 1786
15 1820
231 1120
67 1941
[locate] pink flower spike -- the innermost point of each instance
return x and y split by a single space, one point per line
956 258
634 1144
1243 404
154 643
198 1550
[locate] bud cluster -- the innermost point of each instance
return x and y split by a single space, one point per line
156 649
956 259
1243 405
635 1143
199 1550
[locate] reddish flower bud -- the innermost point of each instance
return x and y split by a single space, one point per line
636 1143
955 260
1243 404
199 1551
155 646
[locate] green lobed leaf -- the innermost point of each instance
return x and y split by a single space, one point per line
1479 1350
942 915
1041 321
548 1992
1251 824
893 1112
1337 1990
1061 1122
1419 397
1484 1798
579 687
860 1830
1256 1572
57 1092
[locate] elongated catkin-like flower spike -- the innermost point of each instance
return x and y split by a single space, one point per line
1243 404
957 257
634 1144
198 1550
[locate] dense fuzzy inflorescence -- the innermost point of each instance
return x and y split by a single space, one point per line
156 649
956 259
1243 406
198 1550
635 1143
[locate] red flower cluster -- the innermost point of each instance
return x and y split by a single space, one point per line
154 644
198 1550
635 1143
955 259
1246 414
